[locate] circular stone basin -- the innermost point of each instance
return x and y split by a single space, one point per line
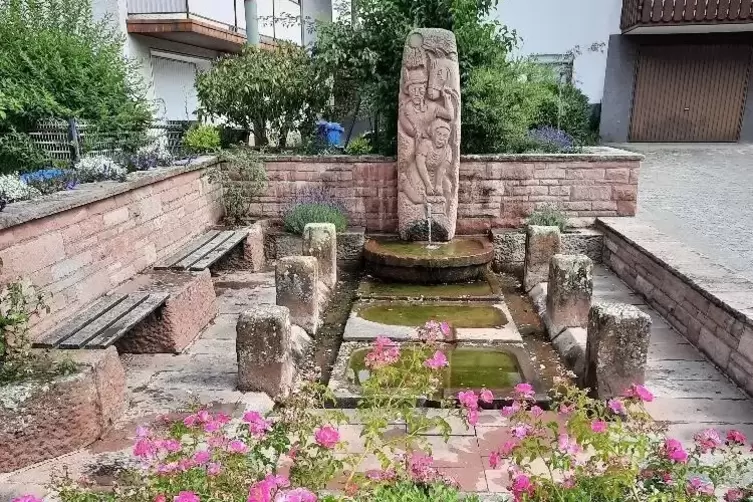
460 260
469 368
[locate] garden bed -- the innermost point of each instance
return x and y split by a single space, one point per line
43 420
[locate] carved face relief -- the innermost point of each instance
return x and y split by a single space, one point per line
441 136
417 93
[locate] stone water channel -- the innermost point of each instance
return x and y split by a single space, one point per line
497 340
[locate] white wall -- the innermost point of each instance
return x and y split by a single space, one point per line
556 26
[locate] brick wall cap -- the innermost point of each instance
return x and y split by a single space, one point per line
87 193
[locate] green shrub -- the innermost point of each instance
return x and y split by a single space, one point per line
268 93
567 108
19 153
57 61
500 104
202 138
242 177
358 146
549 216
297 218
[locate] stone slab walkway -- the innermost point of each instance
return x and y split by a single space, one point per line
700 194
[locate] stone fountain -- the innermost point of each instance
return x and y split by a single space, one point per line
428 172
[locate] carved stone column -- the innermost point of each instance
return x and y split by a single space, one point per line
429 136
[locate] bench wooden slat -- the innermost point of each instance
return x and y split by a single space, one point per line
186 250
200 253
104 321
68 329
213 256
123 325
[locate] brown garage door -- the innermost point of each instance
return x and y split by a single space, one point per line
690 92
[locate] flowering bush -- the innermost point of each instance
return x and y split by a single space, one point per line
13 189
613 450
551 140
49 181
99 168
154 154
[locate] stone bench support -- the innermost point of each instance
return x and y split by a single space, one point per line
541 244
264 351
569 292
297 284
320 241
616 349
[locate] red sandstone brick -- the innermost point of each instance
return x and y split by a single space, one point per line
604 205
625 192
634 175
533 190
619 175
626 208
550 173
592 173
560 190
590 193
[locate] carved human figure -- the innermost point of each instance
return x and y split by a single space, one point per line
429 135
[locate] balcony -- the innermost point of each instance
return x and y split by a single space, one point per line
218 24
686 16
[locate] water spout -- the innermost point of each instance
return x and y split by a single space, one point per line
428 225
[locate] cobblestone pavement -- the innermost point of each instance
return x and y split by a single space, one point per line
701 195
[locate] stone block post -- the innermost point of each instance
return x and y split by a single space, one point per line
616 348
264 350
569 292
320 241
541 244
297 283
253 248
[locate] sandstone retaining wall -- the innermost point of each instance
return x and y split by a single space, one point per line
707 303
495 190
80 244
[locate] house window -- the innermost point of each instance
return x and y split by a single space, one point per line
560 64
281 20
174 84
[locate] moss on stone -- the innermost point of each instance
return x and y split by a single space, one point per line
458 316
461 290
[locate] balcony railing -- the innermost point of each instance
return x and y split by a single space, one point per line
640 13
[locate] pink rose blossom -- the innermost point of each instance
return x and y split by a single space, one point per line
568 445
171 445
257 425
617 407
222 418
201 457
27 498
520 431
536 411
708 440
420 467
525 390
639 392
212 426
521 485
468 399
327 437
486 396
508 411
673 450
165 469
737 437
384 352
599 426
507 448
494 460
445 328
190 421
160 498
437 361
297 495
217 441
565 409
203 416
186 497
214 469
473 416
186 464
144 448
264 490
696 486
237 446
734 495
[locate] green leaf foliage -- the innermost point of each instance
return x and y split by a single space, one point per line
58 62
202 138
268 93
297 218
549 216
567 108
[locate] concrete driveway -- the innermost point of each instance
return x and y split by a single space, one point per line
701 194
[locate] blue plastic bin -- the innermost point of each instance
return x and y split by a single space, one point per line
330 131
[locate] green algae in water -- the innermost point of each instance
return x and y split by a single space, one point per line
456 247
470 368
458 316
477 288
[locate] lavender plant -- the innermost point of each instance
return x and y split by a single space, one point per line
551 140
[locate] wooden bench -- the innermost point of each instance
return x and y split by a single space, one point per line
203 252
105 322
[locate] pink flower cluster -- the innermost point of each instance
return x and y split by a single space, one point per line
673 450
271 489
327 437
434 331
384 352
469 401
708 440
210 423
640 393
697 486
437 361
258 426
521 487
27 498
